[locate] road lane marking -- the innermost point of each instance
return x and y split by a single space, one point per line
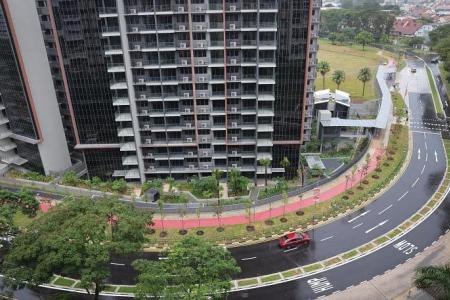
289 250
415 182
356 226
327 238
423 168
117 264
249 258
426 146
375 227
359 216
161 258
435 154
418 154
384 210
319 285
401 197
426 157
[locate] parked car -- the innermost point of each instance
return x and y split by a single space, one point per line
435 60
413 70
294 239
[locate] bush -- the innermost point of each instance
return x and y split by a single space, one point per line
35 176
119 186
237 183
280 187
152 184
71 178
206 187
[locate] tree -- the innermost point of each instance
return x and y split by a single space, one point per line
353 172
436 278
364 76
218 210
161 212
119 186
364 38
76 238
248 210
171 182
198 213
265 162
193 269
323 67
338 77
217 174
285 200
182 212
333 37
347 178
285 163
237 183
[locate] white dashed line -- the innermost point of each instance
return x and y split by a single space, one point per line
356 226
401 197
423 168
359 216
415 182
384 210
249 258
289 250
116 264
327 238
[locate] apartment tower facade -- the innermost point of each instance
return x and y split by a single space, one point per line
157 88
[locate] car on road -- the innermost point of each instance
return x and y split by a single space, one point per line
413 70
435 60
294 239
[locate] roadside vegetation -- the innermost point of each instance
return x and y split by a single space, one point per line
440 42
434 92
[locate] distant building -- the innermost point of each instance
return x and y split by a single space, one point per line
337 103
424 31
405 27
443 10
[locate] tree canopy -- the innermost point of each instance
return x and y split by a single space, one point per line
193 269
75 238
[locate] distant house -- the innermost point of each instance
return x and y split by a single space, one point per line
405 27
443 10
424 31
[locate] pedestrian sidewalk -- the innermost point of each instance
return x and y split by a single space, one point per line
263 212
399 283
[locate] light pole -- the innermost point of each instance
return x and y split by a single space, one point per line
316 195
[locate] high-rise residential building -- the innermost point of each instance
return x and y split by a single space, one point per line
156 88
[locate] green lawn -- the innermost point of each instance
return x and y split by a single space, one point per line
444 75
434 92
350 59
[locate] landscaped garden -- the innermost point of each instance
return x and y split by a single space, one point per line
349 59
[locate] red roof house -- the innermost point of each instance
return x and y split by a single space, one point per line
405 27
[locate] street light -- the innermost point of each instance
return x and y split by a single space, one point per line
316 195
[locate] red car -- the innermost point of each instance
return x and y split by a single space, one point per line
294 239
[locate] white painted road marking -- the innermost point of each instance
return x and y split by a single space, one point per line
375 227
117 264
435 154
415 182
327 238
356 226
418 154
426 146
319 285
359 216
423 168
381 212
249 258
401 197
289 250
426 157
161 258
405 247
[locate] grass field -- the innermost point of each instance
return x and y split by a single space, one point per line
434 93
350 59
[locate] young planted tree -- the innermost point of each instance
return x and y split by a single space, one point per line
265 162
364 38
364 75
161 212
171 182
285 200
248 211
182 212
198 213
76 238
285 163
193 269
217 174
323 67
218 211
347 178
436 278
338 77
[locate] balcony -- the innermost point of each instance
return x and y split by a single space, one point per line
120 101
118 85
128 147
215 6
110 31
112 49
107 12
216 25
272 25
123 117
115 67
130 160
125 132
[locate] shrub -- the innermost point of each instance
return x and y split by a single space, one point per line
205 187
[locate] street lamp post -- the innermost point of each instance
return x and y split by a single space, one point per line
316 195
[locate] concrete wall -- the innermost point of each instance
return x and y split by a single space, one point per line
53 147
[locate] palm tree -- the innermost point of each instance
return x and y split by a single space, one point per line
364 76
435 277
265 162
171 182
338 77
217 174
323 67
285 163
